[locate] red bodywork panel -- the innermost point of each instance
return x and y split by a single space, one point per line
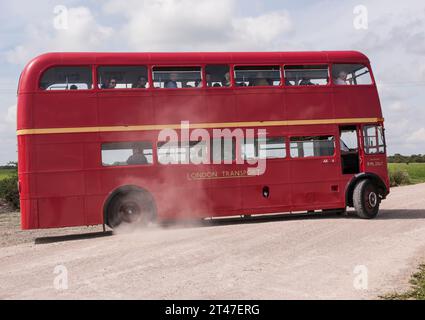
63 182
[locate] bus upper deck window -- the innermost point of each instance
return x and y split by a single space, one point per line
217 75
253 76
177 77
351 74
123 77
66 78
306 75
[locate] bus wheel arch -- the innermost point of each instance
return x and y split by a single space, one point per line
129 199
382 189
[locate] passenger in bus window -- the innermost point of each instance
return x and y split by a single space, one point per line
141 83
226 82
208 79
185 84
111 84
306 82
260 80
73 87
341 79
172 83
137 157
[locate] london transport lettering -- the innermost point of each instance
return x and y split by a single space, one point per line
203 175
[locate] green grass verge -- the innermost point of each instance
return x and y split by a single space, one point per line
416 171
4 173
416 292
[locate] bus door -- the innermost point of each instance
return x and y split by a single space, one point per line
349 149
314 172
225 178
374 157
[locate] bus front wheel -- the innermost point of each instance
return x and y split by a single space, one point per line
135 208
366 199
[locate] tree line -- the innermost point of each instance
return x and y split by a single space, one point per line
414 158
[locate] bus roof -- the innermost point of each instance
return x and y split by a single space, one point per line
35 67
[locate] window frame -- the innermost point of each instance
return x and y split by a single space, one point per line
233 78
313 157
128 165
90 66
208 153
378 146
367 65
204 76
285 142
96 71
309 64
151 72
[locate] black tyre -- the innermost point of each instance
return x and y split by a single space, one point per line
136 208
366 199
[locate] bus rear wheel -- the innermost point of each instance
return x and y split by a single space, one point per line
132 208
366 199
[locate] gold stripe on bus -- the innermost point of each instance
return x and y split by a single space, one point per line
197 126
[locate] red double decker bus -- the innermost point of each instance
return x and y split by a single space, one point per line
89 126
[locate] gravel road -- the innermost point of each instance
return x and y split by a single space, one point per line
310 257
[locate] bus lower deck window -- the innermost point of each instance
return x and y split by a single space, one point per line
264 148
127 153
318 146
194 152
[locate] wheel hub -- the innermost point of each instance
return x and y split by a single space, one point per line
373 199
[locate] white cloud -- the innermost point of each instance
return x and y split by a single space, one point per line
397 106
82 34
11 115
196 25
262 29
417 136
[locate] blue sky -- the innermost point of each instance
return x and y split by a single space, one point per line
394 41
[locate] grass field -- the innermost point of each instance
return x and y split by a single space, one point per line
416 171
5 173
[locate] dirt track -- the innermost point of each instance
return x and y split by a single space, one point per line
279 258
